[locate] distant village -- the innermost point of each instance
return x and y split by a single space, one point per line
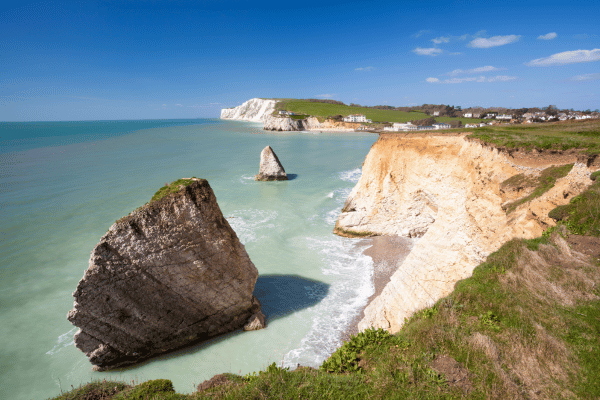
482 117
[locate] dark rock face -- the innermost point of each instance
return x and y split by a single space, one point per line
270 168
170 274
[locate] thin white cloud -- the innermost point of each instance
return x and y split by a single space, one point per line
566 57
480 79
479 70
501 78
548 36
420 33
364 69
432 51
494 41
179 105
440 40
325 96
448 39
455 54
586 77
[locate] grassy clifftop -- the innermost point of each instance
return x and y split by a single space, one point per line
323 110
583 135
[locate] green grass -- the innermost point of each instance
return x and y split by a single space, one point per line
325 110
548 136
542 184
582 215
172 187
95 390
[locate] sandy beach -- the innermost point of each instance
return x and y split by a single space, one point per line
388 253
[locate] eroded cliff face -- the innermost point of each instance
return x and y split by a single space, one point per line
255 110
276 123
445 190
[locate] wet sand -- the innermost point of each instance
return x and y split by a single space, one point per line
388 253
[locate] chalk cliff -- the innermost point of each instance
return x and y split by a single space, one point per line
255 110
276 123
171 273
445 190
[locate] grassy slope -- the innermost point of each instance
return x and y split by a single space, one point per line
558 136
325 110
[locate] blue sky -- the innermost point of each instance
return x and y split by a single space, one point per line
86 60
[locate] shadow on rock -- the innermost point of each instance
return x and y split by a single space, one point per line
281 295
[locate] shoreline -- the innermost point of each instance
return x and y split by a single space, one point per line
388 253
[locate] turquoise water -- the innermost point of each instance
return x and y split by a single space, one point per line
62 185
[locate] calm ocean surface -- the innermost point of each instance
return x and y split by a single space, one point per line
63 184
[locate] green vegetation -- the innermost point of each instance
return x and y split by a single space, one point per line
582 215
94 390
172 187
324 110
549 136
541 183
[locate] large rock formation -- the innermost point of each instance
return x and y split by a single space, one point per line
276 123
171 273
446 190
255 110
270 168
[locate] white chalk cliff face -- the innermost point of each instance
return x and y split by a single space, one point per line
445 190
255 110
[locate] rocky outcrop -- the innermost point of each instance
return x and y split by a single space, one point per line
276 123
255 110
270 168
171 273
445 190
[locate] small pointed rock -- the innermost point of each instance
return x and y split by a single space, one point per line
270 167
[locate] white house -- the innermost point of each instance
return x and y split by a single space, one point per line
436 113
397 126
504 116
468 115
441 125
286 113
356 118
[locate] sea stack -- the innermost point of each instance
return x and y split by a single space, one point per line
170 274
270 167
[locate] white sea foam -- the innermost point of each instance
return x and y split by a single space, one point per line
251 225
246 179
64 340
348 292
352 175
330 195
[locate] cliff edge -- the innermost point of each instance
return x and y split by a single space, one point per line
444 190
255 110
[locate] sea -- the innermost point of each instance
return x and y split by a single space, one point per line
63 184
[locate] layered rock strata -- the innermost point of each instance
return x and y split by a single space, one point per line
171 273
270 168
445 190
